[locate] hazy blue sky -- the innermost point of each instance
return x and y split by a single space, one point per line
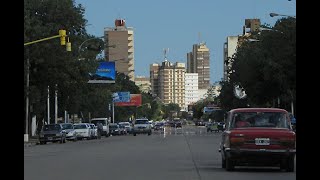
176 24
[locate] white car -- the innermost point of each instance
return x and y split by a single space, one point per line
127 125
83 130
105 122
71 134
142 126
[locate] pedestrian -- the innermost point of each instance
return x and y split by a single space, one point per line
99 129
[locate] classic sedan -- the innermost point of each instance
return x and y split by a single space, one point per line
259 136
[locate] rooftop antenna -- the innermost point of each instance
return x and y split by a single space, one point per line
199 37
165 51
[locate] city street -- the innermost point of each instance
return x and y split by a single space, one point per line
188 153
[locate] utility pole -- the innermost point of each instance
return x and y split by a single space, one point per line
112 112
56 105
26 135
48 105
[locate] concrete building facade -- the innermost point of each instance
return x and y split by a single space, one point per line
143 83
122 54
191 88
168 82
198 61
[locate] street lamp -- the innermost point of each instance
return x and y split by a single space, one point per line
276 14
79 50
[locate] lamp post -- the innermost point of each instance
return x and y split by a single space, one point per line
80 47
276 14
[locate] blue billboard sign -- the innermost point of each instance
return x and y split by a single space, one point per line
121 97
105 73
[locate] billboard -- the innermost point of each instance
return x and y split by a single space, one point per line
105 73
135 100
121 97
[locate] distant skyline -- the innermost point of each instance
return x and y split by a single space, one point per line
176 24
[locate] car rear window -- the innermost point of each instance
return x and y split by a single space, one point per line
259 119
142 122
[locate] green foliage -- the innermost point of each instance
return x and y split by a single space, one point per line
266 69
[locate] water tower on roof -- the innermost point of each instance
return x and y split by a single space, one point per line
120 22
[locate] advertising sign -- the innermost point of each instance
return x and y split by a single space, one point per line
135 100
105 73
121 97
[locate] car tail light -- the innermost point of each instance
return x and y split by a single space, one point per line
236 141
227 142
289 142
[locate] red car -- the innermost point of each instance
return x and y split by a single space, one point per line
258 136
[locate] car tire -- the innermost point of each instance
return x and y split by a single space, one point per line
43 142
229 164
64 140
134 134
290 164
149 133
61 141
223 163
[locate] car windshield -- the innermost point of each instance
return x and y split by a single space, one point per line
259 119
67 126
80 126
95 122
51 127
142 122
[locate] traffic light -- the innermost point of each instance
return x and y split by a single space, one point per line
62 34
68 45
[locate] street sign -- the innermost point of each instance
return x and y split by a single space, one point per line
121 97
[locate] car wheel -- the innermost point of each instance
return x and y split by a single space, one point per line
223 162
229 164
149 133
290 165
61 140
134 134
43 142
64 140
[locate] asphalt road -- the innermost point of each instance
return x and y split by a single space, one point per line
189 153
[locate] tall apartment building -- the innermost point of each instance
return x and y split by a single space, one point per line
168 82
233 42
191 88
123 52
143 83
198 61
154 79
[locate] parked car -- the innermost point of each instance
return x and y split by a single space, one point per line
115 129
221 126
259 136
212 127
105 122
83 130
159 126
71 134
123 129
52 133
127 125
142 126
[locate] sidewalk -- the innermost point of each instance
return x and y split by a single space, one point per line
33 140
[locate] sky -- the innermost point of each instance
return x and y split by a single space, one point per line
178 24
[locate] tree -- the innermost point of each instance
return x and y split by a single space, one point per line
265 68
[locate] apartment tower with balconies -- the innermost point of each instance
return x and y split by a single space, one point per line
120 47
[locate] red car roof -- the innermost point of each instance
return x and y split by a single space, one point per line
258 110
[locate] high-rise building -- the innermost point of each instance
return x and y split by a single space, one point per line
143 83
123 52
228 51
154 79
191 88
168 82
198 61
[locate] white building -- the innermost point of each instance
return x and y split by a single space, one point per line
191 88
230 48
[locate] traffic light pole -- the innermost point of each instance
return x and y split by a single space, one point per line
26 135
